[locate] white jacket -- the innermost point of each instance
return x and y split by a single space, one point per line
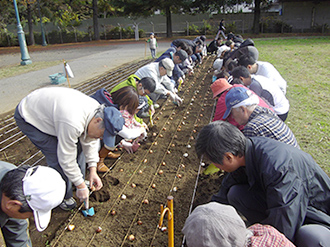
64 113
163 83
268 70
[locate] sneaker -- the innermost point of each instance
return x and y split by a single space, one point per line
68 204
156 106
144 114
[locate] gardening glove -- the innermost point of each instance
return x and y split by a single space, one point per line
82 194
127 146
175 98
152 110
211 169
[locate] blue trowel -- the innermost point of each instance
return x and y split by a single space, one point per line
88 211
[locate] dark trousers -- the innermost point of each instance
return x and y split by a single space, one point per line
48 146
284 116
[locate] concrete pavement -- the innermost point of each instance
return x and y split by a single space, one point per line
86 62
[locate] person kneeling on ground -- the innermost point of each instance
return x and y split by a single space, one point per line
269 182
214 224
27 191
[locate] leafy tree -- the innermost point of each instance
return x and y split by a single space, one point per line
148 7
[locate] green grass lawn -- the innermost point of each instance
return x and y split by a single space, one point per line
305 64
13 70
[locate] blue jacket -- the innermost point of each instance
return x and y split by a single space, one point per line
296 189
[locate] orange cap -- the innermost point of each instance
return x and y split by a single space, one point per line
219 86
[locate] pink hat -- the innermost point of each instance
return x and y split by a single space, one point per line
220 86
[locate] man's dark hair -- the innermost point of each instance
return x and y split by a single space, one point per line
12 186
222 74
218 138
236 81
148 83
246 60
231 64
189 50
240 71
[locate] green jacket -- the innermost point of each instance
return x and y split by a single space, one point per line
131 81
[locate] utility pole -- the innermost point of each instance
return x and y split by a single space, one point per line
21 39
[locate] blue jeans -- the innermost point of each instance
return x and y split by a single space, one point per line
153 53
48 146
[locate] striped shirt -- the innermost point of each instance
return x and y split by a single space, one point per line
264 122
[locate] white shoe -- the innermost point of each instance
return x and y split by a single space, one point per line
68 204
156 106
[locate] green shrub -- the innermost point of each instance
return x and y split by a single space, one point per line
193 30
281 26
231 27
128 33
8 39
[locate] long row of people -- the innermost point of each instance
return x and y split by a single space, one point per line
280 191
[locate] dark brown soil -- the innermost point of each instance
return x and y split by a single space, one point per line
173 134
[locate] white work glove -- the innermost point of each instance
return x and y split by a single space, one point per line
172 95
152 110
127 146
175 98
82 194
178 100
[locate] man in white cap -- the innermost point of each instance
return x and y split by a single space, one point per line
160 72
214 224
27 191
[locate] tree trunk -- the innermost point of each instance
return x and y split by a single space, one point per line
30 24
256 19
168 22
95 21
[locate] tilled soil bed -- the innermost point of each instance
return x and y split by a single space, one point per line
164 165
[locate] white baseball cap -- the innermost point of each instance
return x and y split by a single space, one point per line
44 189
168 65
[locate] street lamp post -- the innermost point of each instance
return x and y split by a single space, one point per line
44 43
21 39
